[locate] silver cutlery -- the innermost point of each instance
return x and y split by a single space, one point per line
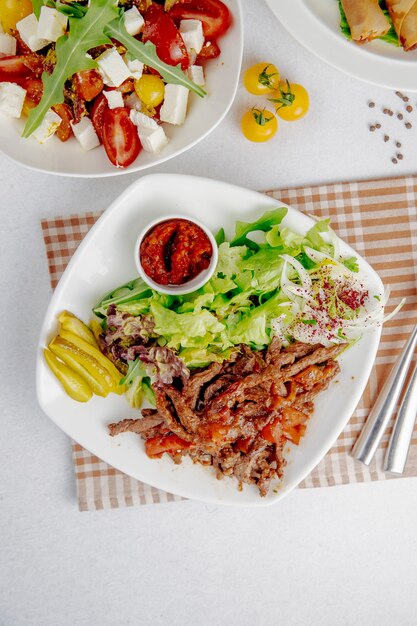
381 413
399 444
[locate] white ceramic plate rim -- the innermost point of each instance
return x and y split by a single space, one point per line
162 158
332 48
157 181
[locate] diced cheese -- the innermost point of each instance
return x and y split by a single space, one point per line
113 68
152 139
142 120
135 67
7 45
1 28
196 74
192 34
114 99
52 24
28 31
86 135
48 127
12 98
174 107
133 101
133 21
151 134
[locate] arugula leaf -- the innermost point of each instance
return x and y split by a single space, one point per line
74 9
146 53
71 52
37 5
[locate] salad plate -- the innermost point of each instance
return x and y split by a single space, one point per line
105 260
316 25
204 114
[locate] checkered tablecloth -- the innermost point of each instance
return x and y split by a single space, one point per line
378 219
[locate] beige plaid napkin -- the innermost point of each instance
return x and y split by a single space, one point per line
379 219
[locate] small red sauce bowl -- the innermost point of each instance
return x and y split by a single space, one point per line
191 285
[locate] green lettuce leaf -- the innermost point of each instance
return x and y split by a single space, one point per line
264 223
71 53
132 291
138 385
201 357
180 328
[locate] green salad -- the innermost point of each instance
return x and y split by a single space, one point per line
270 281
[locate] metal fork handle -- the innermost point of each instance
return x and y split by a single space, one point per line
399 444
380 415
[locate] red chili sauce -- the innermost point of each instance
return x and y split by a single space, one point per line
175 251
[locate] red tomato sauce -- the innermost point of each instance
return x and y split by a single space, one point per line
175 251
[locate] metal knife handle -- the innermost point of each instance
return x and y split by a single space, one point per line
396 455
379 417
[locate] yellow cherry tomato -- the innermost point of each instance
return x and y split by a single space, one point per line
261 79
291 101
12 11
150 89
259 125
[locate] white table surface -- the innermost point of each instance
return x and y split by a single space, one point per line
341 555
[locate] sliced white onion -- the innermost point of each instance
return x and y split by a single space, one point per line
301 271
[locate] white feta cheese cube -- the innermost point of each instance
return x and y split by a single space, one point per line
52 24
133 21
48 127
152 139
192 34
135 67
174 107
12 98
113 67
106 79
28 31
196 74
85 134
142 120
133 101
114 99
7 45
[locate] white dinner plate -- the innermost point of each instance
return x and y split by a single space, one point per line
315 24
105 260
204 114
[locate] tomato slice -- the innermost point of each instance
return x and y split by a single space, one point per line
100 106
64 130
161 31
272 432
127 86
156 446
210 50
34 91
214 14
88 84
120 137
294 433
14 70
243 445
